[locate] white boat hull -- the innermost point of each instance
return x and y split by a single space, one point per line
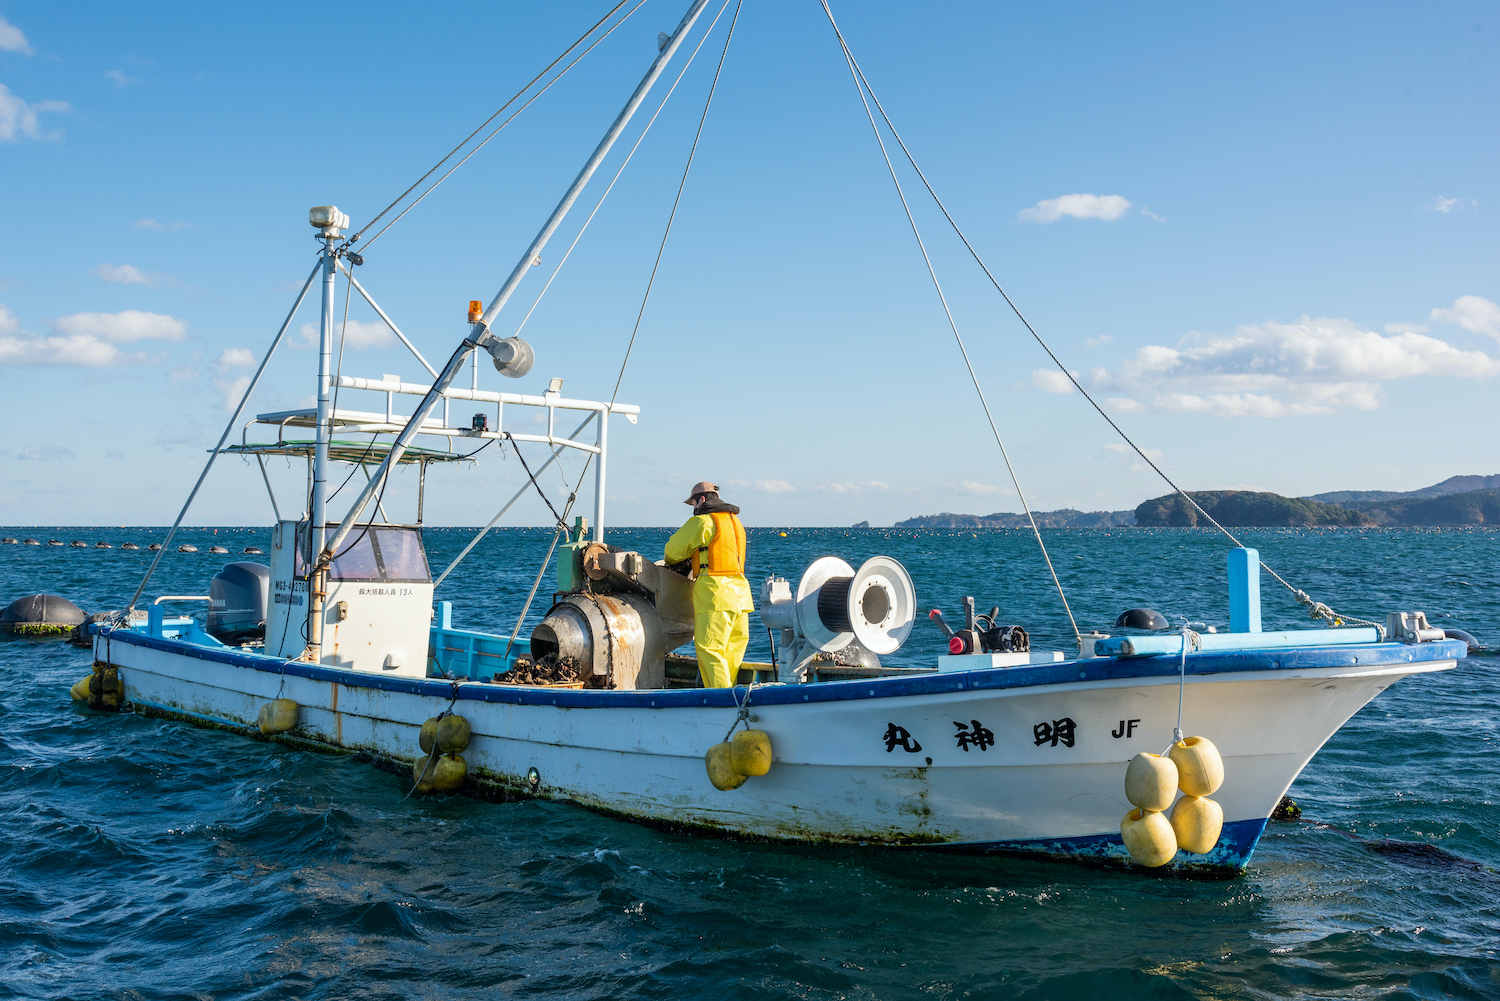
866 762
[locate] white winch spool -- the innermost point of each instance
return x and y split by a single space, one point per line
836 605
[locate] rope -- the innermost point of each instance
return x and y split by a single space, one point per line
1190 637
680 186
540 493
487 121
1298 594
640 139
742 714
502 125
849 58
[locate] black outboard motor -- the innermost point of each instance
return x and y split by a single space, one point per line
238 597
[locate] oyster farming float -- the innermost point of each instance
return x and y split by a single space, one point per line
1158 747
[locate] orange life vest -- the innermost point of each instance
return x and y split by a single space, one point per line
724 556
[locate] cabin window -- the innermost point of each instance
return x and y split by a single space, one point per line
376 553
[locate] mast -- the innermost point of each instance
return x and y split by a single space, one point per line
480 335
329 221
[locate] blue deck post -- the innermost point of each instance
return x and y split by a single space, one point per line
154 616
440 633
1244 591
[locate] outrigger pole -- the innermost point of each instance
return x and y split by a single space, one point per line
480 335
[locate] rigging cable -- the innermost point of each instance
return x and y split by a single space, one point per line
954 326
1316 608
502 107
604 415
502 125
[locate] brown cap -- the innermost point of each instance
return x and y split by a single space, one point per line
703 487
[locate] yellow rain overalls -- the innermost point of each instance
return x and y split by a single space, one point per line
721 596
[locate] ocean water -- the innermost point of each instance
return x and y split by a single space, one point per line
144 859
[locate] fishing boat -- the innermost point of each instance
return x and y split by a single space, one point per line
340 642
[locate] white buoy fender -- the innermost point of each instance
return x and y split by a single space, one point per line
750 752
1197 822
1151 782
1200 769
1148 837
720 764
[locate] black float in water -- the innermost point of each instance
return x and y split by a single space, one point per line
40 615
238 597
1141 618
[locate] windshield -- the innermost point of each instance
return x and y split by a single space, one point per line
375 553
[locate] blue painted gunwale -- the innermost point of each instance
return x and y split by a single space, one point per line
1030 676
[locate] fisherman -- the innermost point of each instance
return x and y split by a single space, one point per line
713 542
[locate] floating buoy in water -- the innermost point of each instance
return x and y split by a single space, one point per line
7 541
154 546
40 615
217 549
130 545
185 548
80 690
56 542
720 764
1200 769
1151 781
783 535
252 549
452 734
1149 838
79 544
277 716
31 542
103 545
449 772
750 752
1197 822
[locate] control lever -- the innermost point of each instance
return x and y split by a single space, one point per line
937 617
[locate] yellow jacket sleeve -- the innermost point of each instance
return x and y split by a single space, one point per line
686 541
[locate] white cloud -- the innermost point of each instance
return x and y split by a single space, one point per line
34 454
1313 366
1406 328
978 489
1151 215
85 340
161 227
1446 205
129 274
12 39
124 327
18 119
356 336
234 358
1106 207
231 391
1100 341
1473 313
763 486
1136 465
868 486
1050 380
118 78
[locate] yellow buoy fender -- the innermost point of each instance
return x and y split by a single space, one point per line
423 773
1197 821
80 691
1148 837
1151 782
452 734
1200 770
428 735
277 716
720 763
448 773
750 752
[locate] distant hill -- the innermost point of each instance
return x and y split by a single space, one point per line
1065 518
1476 507
1244 508
1360 500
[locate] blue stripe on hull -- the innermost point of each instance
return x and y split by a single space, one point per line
1368 655
1229 856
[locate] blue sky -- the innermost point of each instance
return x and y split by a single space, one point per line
1264 235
